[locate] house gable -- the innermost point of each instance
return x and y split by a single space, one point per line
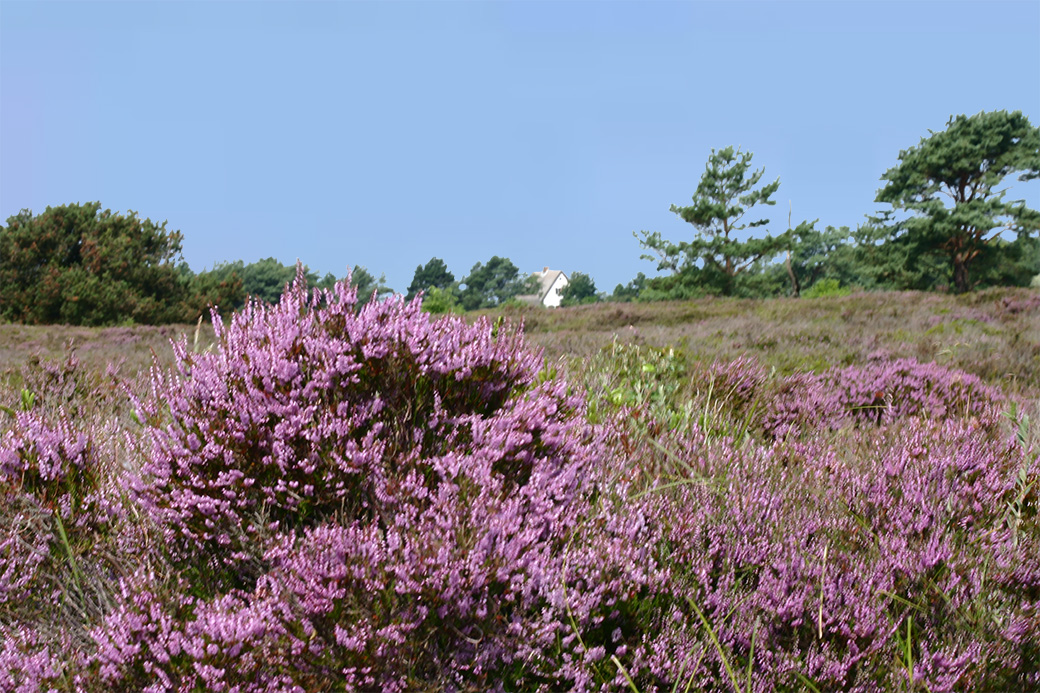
550 288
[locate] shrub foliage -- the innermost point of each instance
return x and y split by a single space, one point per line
335 498
79 265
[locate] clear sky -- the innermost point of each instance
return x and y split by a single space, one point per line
387 133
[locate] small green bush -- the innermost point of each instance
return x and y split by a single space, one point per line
826 287
439 301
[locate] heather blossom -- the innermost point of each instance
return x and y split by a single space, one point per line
339 497
373 497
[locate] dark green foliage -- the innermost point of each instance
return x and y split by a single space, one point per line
368 287
434 275
629 292
812 255
1014 263
882 262
764 279
493 284
266 279
694 282
326 282
949 184
827 254
580 290
78 265
215 287
713 260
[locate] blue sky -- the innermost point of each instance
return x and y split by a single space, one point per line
387 133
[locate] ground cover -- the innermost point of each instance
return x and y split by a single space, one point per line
835 494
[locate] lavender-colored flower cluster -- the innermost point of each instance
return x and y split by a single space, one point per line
880 392
865 565
55 520
345 498
860 548
362 498
52 501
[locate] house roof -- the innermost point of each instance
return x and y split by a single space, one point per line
545 281
546 278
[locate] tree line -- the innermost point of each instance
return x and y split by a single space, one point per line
488 285
948 228
77 264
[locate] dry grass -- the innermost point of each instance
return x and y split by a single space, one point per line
130 349
994 334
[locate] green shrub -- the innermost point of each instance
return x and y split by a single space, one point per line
826 287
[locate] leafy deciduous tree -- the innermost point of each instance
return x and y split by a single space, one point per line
438 301
965 163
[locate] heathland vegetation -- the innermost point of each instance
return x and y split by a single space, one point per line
319 491
718 494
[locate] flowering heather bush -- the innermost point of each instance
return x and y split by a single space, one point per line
848 556
1029 303
739 396
26 664
876 560
57 520
889 391
362 498
52 504
336 498
879 392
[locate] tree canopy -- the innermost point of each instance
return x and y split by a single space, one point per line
439 301
213 288
948 184
493 284
79 265
266 279
626 293
434 274
580 289
368 287
716 256
949 227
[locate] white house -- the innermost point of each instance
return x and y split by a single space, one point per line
550 288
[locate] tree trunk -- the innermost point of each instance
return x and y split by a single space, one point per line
960 274
796 287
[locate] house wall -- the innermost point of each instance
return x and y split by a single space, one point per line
552 297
